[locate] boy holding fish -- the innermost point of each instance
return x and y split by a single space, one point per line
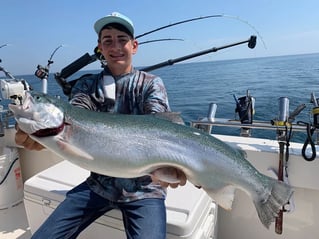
119 88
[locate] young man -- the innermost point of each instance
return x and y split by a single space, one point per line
122 89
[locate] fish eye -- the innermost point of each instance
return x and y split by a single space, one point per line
37 98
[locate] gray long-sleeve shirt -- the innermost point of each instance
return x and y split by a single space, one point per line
135 93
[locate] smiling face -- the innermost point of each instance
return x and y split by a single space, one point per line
117 47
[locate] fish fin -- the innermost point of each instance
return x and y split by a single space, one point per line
224 197
242 153
166 174
73 150
268 209
174 117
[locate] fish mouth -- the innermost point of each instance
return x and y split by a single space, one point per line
23 110
36 113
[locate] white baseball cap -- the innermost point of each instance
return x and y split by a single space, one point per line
114 17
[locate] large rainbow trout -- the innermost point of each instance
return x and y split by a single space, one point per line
130 146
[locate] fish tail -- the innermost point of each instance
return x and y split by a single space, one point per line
269 208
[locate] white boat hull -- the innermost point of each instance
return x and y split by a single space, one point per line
242 221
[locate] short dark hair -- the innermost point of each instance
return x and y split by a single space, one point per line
116 26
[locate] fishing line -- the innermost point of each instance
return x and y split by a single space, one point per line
7 173
250 25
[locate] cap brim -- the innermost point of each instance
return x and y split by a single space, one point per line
112 19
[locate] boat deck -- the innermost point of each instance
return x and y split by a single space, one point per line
14 223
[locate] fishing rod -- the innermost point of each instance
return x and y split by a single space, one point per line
158 40
201 18
177 23
4 45
283 137
84 60
50 59
42 72
12 89
88 59
251 44
7 73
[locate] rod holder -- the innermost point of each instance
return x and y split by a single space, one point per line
283 116
283 113
210 118
212 112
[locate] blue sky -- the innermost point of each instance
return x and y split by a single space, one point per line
34 28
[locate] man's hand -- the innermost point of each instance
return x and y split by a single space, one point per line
169 176
23 139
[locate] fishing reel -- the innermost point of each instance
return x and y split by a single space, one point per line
42 72
13 89
245 107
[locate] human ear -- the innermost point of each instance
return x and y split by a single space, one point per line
135 46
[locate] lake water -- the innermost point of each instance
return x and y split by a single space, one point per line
193 86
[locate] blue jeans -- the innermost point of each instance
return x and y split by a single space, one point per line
143 219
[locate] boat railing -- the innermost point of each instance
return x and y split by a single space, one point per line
207 125
281 124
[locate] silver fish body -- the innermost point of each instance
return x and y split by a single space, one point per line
129 146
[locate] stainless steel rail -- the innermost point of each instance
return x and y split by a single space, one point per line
267 125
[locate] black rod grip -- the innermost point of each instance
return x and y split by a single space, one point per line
76 65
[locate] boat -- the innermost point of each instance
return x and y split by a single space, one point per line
34 182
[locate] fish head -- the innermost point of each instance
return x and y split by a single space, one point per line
37 112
